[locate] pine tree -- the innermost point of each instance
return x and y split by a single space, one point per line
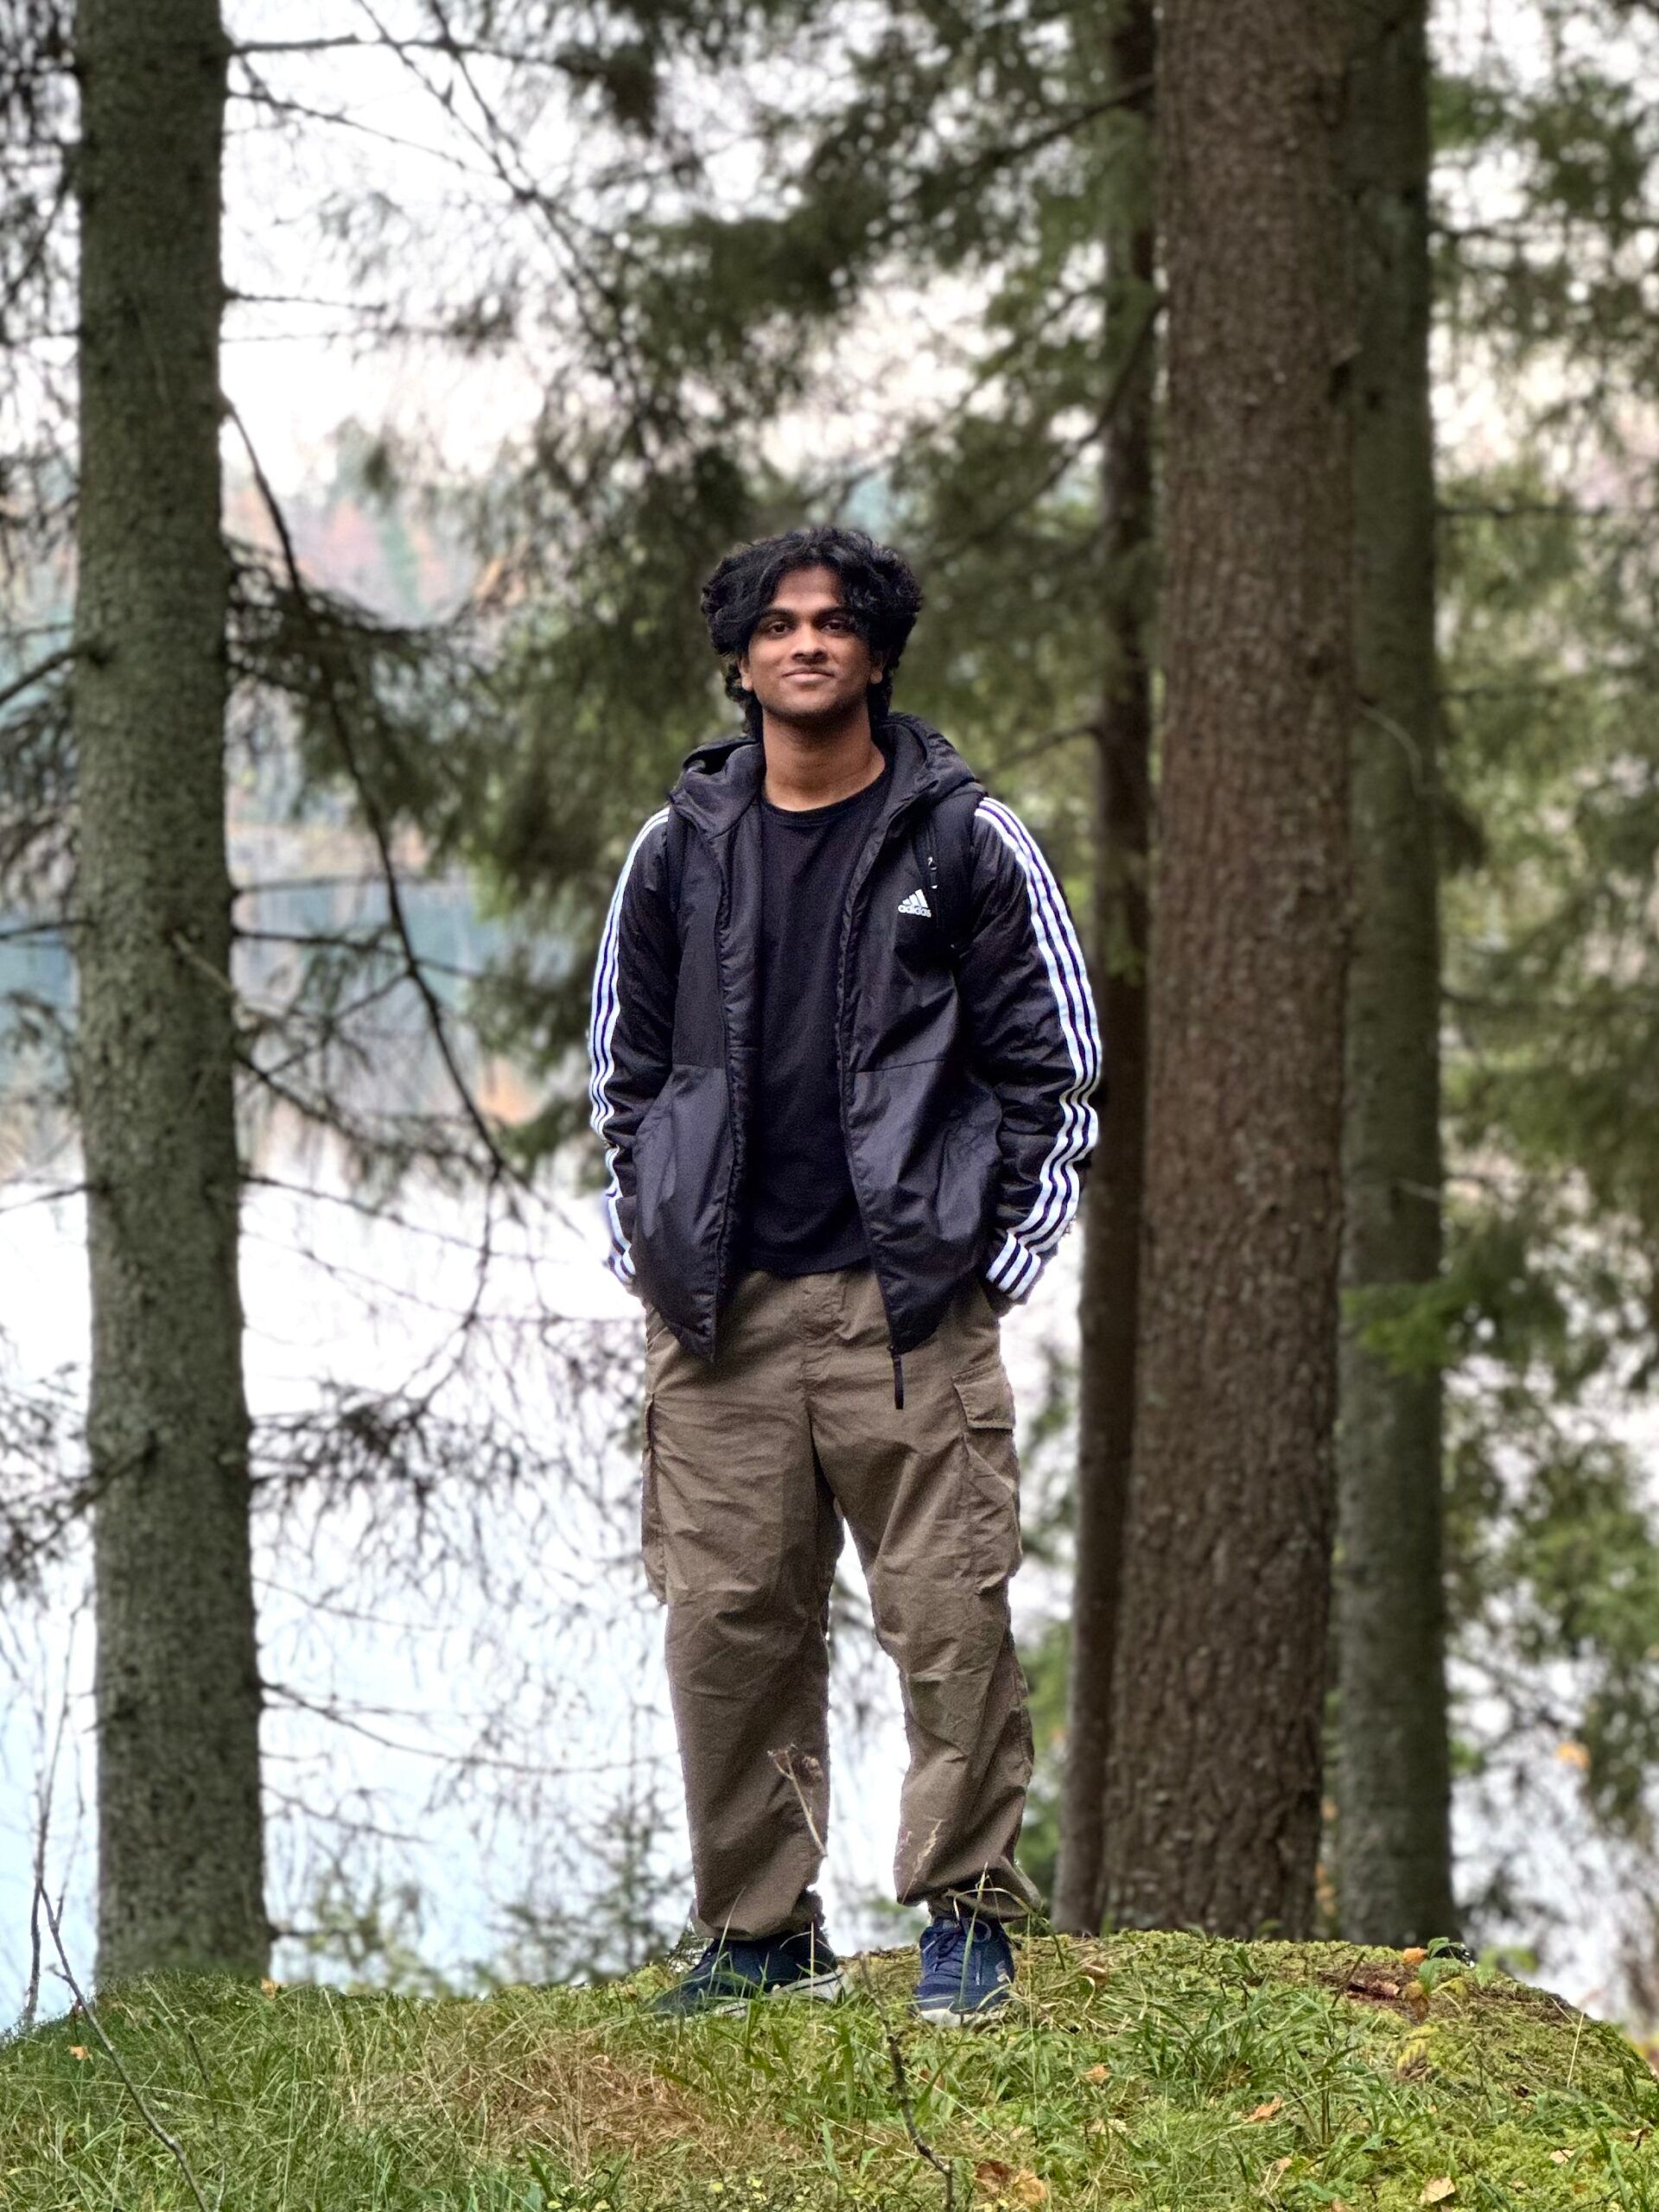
1395 1785
1215 1787
1109 1304
178 1697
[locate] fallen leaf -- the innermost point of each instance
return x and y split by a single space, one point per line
1099 2074
1415 1956
1437 2191
1010 2185
1417 1998
1271 2174
1267 2111
1093 1970
1560 2158
78 2051
268 1987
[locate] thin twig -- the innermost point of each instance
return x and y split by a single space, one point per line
1578 2032
919 2144
168 2142
527 57
784 1764
42 1836
279 1693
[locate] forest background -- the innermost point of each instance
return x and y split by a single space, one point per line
530 316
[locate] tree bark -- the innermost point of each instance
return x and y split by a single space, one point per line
181 1881
1123 770
1394 1818
1213 1806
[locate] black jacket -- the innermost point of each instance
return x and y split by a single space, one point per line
966 1082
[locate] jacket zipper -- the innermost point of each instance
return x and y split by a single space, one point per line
855 892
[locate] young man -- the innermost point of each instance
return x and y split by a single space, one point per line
844 1055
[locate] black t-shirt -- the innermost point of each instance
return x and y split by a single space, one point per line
800 1212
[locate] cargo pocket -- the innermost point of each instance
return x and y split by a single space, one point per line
651 1547
991 1474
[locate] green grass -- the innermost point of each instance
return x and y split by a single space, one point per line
1126 2075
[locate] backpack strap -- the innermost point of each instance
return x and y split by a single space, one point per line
942 844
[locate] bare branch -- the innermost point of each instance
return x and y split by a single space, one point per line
41 671
38 929
45 1197
517 57
343 940
279 1694
260 96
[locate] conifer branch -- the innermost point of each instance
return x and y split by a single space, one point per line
501 1168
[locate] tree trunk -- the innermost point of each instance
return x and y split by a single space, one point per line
1394 1842
180 1864
1112 1201
1213 1799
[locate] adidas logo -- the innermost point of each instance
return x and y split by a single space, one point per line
916 904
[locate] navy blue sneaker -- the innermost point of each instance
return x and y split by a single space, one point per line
730 1973
967 1970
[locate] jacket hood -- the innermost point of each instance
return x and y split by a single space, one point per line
719 781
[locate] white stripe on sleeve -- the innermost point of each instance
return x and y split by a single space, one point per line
1058 1187
600 1033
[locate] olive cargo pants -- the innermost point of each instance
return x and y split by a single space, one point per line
751 1466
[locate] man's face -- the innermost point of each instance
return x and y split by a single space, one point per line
806 662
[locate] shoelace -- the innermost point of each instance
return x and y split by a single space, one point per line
949 1946
736 1958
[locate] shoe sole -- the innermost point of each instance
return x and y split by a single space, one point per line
827 1988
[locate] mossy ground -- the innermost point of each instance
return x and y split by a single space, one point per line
1152 2070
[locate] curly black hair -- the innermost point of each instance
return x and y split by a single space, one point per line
878 585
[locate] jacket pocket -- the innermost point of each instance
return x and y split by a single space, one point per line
682 1173
991 1473
652 1548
